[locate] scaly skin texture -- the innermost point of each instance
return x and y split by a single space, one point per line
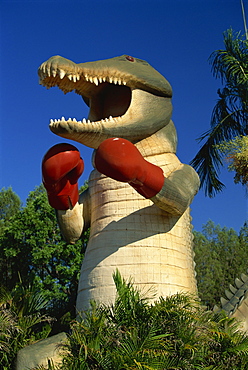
149 240
236 304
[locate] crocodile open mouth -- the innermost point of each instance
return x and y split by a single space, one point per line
109 101
123 95
108 97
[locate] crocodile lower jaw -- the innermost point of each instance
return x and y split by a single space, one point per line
56 122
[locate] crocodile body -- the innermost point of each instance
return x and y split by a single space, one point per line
137 237
148 240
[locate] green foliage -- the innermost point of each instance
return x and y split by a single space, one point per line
22 321
173 333
39 273
220 256
230 114
236 152
31 247
10 204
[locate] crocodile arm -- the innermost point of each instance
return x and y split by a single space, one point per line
178 191
73 222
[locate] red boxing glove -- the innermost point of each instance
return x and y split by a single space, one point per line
61 168
121 160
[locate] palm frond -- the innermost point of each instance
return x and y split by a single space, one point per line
231 64
5 298
175 332
230 114
8 328
226 123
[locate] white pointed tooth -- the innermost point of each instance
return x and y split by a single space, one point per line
62 118
74 78
55 120
95 79
74 120
88 121
51 121
115 80
91 79
54 73
100 80
104 79
119 82
124 82
78 77
84 120
110 80
69 119
70 77
110 118
61 74
86 77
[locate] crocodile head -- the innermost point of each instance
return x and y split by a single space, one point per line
127 98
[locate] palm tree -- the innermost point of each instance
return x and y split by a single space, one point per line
173 333
230 114
22 321
125 335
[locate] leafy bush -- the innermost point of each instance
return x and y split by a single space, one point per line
173 333
22 321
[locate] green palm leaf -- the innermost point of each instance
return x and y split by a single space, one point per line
230 114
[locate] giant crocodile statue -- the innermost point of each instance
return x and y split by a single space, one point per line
139 194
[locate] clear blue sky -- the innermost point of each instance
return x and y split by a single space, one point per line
174 36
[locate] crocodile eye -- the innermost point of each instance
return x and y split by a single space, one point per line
131 59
